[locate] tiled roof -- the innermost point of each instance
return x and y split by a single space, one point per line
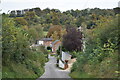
55 42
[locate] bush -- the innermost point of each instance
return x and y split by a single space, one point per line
101 49
42 49
49 48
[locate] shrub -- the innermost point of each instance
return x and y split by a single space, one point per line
49 48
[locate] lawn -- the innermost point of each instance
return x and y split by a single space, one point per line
45 33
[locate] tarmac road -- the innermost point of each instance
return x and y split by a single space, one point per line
51 71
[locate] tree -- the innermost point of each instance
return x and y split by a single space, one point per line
79 21
39 30
36 32
12 13
8 40
30 17
55 36
20 21
117 10
15 42
37 11
47 10
54 28
55 19
48 18
33 33
72 41
56 32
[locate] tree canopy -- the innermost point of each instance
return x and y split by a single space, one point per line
72 41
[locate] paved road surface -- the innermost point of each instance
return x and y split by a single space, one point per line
51 71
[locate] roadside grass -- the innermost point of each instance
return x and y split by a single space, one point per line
18 71
32 67
76 75
108 68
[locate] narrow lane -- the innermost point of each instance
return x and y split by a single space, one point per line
51 71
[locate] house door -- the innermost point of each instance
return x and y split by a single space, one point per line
66 64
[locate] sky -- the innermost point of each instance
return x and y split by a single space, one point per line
62 5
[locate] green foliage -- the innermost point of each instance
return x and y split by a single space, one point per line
42 48
76 75
55 19
100 53
55 32
20 21
36 32
31 18
18 59
70 17
79 21
61 48
33 33
56 28
117 10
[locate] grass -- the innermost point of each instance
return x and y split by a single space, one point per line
45 33
18 71
77 74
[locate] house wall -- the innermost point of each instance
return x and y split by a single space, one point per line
61 64
65 56
40 42
47 43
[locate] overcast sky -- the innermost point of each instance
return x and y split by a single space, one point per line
63 5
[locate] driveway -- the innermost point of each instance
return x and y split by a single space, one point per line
51 71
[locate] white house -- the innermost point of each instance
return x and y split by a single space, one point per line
63 62
40 42
65 56
44 41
